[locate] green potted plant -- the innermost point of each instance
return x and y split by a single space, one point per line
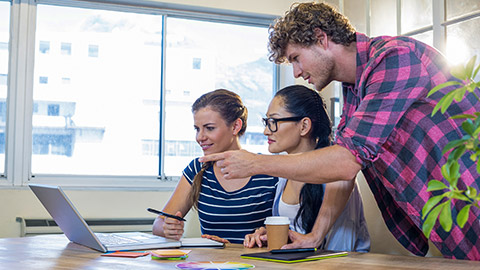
438 208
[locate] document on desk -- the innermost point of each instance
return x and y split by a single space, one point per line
294 257
201 242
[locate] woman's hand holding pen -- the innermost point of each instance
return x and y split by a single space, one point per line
173 228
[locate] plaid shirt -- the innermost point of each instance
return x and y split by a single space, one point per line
387 124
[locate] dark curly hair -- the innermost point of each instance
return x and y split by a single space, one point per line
299 24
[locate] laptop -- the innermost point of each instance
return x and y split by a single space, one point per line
76 229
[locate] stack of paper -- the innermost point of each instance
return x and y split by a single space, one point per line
169 254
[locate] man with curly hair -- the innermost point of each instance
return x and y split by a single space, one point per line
386 129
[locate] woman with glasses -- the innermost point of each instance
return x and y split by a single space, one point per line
228 210
298 122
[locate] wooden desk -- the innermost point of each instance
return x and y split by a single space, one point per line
56 252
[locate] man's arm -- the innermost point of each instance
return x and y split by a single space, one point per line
323 165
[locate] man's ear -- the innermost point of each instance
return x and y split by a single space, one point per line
322 38
237 126
306 127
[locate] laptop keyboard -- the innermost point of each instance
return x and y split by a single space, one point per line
112 239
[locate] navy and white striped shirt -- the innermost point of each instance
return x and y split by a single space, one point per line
232 215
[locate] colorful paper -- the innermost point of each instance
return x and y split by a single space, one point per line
127 254
169 258
214 266
170 253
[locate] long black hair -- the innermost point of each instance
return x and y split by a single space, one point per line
302 101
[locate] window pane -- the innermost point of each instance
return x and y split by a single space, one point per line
463 42
44 46
416 14
94 109
66 48
426 37
457 8
204 56
383 18
4 55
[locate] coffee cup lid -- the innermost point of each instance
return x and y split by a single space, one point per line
277 220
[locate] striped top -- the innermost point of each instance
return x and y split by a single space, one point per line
232 215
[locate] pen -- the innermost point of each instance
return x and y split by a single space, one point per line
165 214
292 250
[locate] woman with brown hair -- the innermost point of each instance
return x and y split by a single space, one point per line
226 209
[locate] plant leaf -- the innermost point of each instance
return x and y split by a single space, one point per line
471 192
469 66
441 86
462 116
431 203
459 72
460 196
476 71
444 102
478 167
468 126
471 87
452 144
457 153
462 216
445 217
430 221
446 173
447 100
477 121
436 185
460 93
450 172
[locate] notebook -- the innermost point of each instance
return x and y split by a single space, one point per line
295 257
76 229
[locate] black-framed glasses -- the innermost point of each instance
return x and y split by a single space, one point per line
271 123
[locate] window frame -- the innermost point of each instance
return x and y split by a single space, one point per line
18 151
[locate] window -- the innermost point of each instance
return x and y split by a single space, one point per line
43 80
4 59
225 59
66 80
44 47
416 14
54 110
106 98
3 79
450 25
109 113
458 8
197 63
66 48
111 123
92 50
463 39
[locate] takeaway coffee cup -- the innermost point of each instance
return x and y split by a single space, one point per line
277 231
